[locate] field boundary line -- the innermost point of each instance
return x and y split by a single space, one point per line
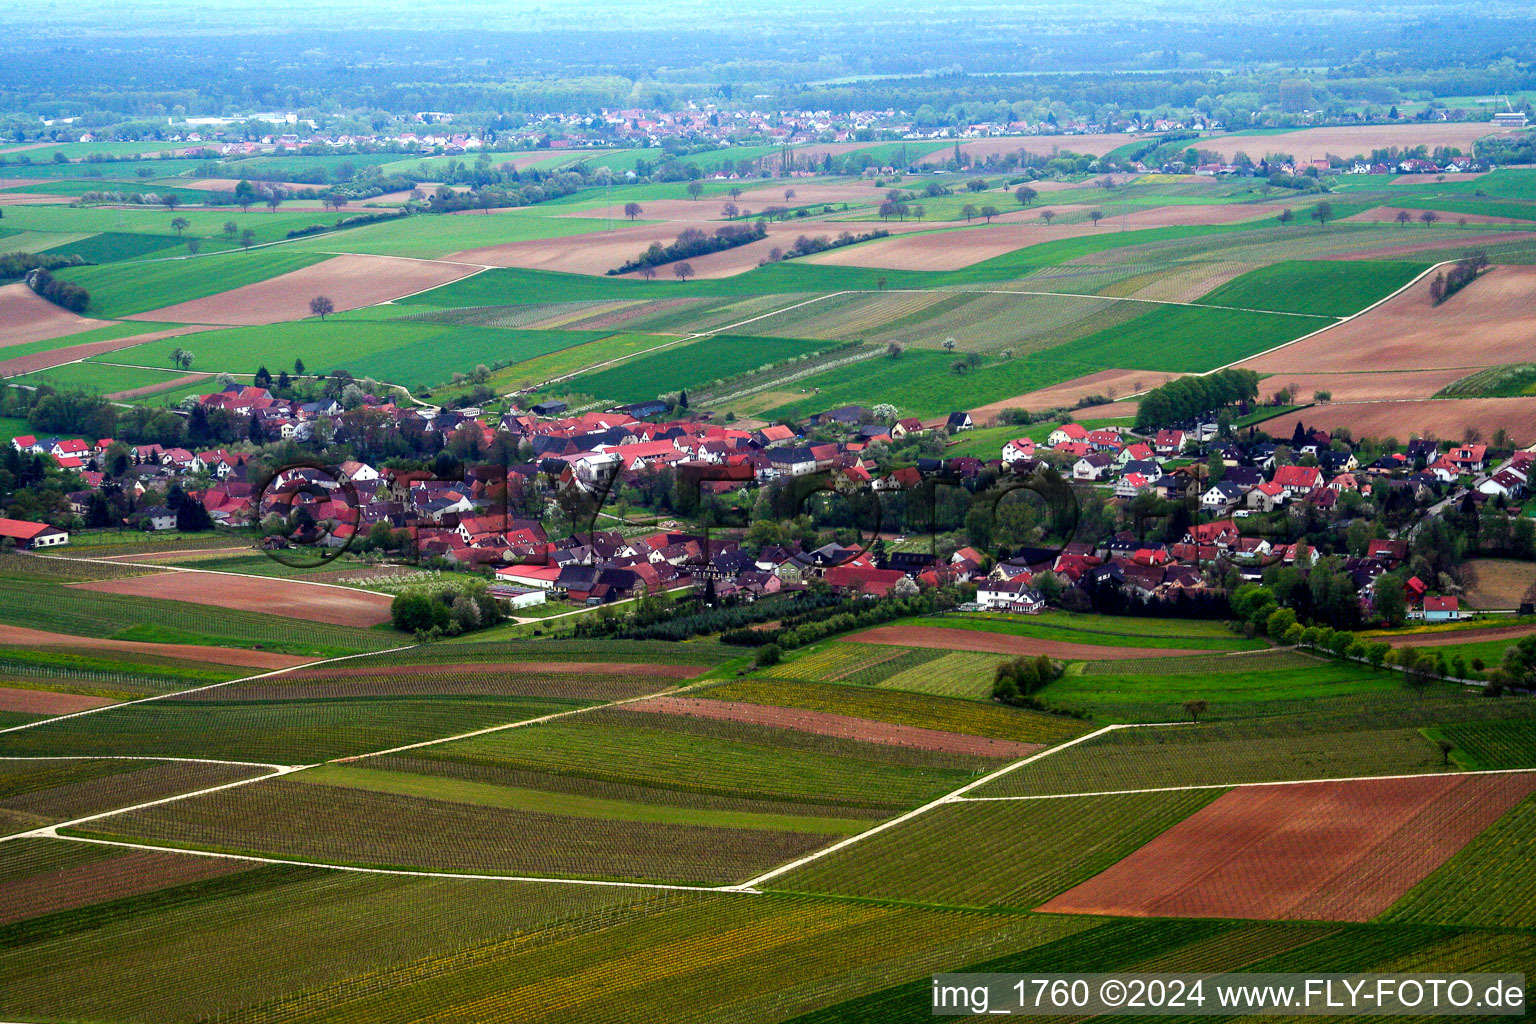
1344 320
49 833
1250 785
511 725
200 689
682 339
953 796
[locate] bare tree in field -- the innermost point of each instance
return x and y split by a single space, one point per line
1195 708
180 224
648 272
1047 216
695 189
632 210
683 270
321 306
1429 217
231 229
247 238
1095 216
987 213
193 245
1403 217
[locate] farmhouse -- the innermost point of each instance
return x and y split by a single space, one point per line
30 535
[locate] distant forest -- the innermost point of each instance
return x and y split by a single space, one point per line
108 61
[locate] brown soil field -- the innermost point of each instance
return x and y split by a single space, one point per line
945 639
149 389
31 199
1069 393
1386 386
1440 418
823 723
71 353
1316 143
22 182
601 251
1340 851
757 197
1434 179
239 657
1042 145
288 598
350 281
25 317
1488 323
129 874
1447 637
1388 214
46 702
228 184
1016 229
1498 583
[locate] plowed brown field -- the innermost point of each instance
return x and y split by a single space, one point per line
349 282
25 317
1488 323
1339 851
288 598
46 702
1069 393
1441 418
825 723
1316 143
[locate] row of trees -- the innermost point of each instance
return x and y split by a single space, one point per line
1186 398
695 242
1461 274
61 293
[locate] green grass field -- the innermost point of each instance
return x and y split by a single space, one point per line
388 350
1332 288
1487 884
689 365
922 710
1070 841
100 378
1109 631
426 236
125 288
